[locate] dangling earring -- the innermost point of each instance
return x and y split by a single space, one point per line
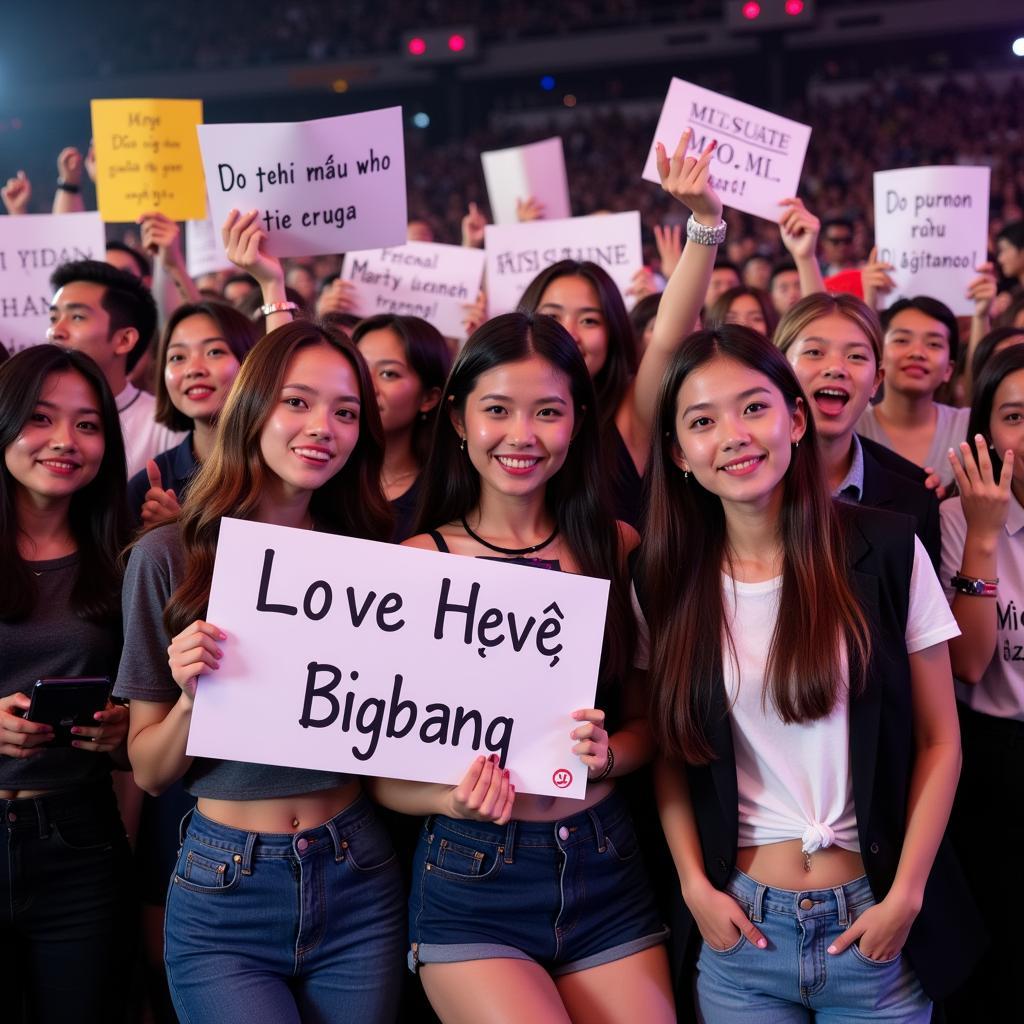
796 444
462 444
686 474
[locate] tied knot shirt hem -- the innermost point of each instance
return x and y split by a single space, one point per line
817 836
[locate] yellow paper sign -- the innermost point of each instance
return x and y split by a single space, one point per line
147 158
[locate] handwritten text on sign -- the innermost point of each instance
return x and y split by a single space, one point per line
931 224
759 155
147 158
360 657
424 279
320 187
31 248
517 253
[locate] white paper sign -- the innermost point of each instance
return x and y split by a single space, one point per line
204 249
516 174
517 253
759 155
424 279
321 187
931 224
375 659
31 248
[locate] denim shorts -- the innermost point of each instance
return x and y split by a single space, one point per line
796 974
569 894
286 927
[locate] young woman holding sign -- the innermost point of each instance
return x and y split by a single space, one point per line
529 908
803 703
587 303
287 899
65 872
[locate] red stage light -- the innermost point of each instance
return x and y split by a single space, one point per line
751 10
417 46
794 7
456 43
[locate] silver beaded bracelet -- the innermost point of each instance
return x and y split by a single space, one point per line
703 235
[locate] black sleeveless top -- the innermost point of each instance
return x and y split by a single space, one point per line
625 485
537 563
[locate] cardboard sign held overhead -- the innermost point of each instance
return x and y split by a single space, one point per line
424 279
931 224
321 187
31 249
516 174
759 155
517 253
147 158
375 659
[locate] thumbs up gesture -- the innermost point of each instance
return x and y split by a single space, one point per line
159 506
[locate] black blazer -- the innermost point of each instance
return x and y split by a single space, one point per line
895 483
947 936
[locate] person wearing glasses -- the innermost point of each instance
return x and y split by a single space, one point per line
837 247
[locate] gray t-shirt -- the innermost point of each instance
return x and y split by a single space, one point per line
54 642
950 429
155 570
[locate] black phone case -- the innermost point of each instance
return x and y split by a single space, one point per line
63 703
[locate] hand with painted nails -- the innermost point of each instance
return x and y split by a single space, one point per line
193 652
105 737
485 793
881 931
688 179
721 920
18 736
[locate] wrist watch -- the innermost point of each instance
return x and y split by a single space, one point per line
973 586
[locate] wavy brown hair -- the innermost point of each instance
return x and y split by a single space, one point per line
231 480
684 552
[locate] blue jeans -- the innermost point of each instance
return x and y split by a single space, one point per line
66 926
795 975
286 928
569 894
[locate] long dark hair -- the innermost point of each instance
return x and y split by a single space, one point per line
429 358
97 514
575 495
238 331
620 365
992 374
683 553
230 481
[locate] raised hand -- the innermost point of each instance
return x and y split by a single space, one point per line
90 161
642 284
159 505
484 794
194 651
982 290
875 279
69 166
529 209
985 501
473 225
161 236
243 242
474 313
799 229
669 240
688 179
16 194
338 297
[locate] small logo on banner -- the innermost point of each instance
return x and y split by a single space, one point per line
562 778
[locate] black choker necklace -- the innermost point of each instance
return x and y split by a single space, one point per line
509 551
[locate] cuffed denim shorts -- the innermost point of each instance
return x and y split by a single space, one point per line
796 974
569 894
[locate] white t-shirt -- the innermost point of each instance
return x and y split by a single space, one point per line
143 436
793 780
1000 692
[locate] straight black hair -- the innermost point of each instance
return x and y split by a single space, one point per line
987 346
98 513
930 307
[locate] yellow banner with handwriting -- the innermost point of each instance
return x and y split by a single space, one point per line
147 158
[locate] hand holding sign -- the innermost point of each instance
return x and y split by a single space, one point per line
799 229
529 209
688 179
982 290
159 506
244 242
192 652
485 793
875 279
592 739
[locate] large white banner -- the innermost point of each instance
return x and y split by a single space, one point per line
517 253
370 658
321 187
931 224
425 279
31 248
759 155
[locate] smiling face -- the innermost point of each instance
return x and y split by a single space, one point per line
199 367
314 426
916 354
60 448
399 390
836 367
573 301
735 432
518 422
